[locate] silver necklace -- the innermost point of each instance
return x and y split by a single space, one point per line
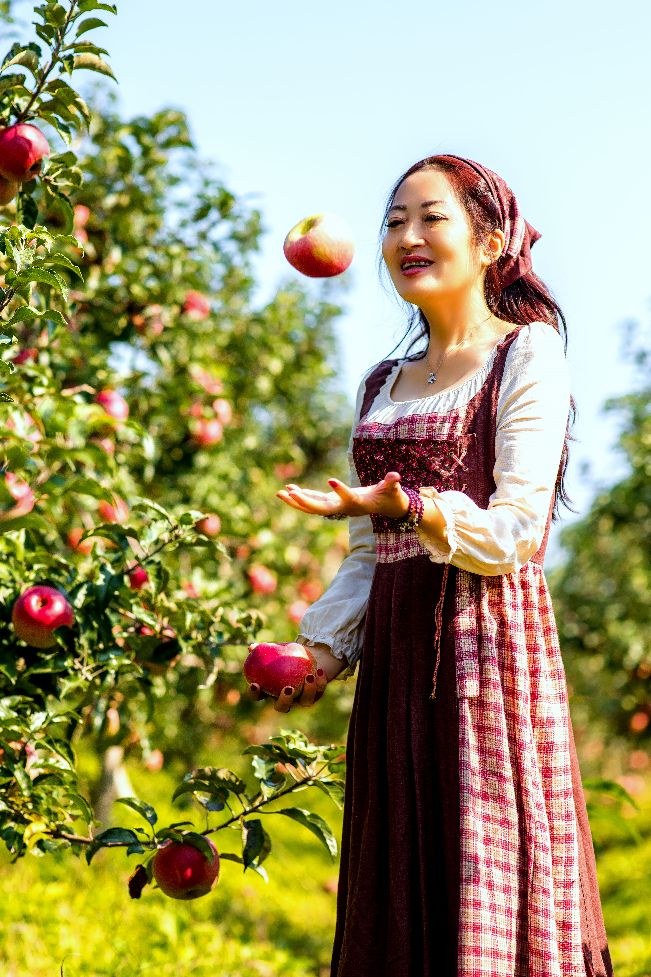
432 375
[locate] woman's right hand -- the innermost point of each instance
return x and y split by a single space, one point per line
314 685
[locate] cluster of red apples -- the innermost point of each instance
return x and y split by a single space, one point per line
22 148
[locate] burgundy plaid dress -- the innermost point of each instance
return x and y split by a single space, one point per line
466 848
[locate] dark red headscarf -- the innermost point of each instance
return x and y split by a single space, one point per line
515 260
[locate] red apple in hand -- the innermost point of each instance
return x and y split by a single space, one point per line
320 246
273 666
38 612
22 148
113 403
183 872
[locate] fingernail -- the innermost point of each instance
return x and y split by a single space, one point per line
332 481
309 678
288 690
254 686
320 672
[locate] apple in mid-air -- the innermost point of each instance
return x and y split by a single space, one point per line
184 872
38 612
273 666
22 148
320 246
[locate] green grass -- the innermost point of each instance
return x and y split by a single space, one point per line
61 912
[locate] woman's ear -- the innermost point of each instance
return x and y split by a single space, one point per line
494 247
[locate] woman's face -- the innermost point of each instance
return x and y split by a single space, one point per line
427 221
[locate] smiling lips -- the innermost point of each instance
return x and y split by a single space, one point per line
414 263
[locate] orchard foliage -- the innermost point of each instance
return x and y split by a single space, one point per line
602 592
127 266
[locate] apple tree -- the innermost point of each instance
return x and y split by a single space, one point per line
150 409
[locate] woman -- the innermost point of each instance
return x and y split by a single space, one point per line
466 849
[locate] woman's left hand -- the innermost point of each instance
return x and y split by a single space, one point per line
385 498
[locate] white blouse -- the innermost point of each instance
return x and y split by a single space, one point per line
532 412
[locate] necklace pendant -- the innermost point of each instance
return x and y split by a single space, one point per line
431 377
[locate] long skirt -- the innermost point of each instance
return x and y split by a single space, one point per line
399 884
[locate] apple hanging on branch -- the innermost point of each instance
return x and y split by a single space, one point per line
182 871
38 612
320 246
22 148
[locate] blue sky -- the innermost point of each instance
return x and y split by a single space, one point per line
309 107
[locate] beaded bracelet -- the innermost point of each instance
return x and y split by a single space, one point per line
414 513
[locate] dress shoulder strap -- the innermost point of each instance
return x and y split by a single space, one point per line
374 383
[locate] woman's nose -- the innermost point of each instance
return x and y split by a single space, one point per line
409 235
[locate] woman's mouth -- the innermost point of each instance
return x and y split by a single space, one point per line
410 268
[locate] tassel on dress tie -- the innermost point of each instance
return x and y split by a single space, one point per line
438 626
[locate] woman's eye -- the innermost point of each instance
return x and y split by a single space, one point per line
428 217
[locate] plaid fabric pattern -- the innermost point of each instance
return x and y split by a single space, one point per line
520 909
440 427
391 547
520 889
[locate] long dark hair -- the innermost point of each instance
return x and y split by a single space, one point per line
527 300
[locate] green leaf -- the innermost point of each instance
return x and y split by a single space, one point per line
86 6
141 807
91 62
335 790
256 843
112 837
145 504
89 25
230 857
42 275
315 824
199 842
27 57
55 14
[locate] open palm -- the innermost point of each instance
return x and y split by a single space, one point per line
386 498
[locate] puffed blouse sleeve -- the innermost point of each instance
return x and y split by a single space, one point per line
532 413
336 619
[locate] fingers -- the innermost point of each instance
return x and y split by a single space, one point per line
285 700
391 478
291 500
313 688
254 691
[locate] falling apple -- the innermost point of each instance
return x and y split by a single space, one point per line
273 666
38 612
184 872
320 246
22 148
